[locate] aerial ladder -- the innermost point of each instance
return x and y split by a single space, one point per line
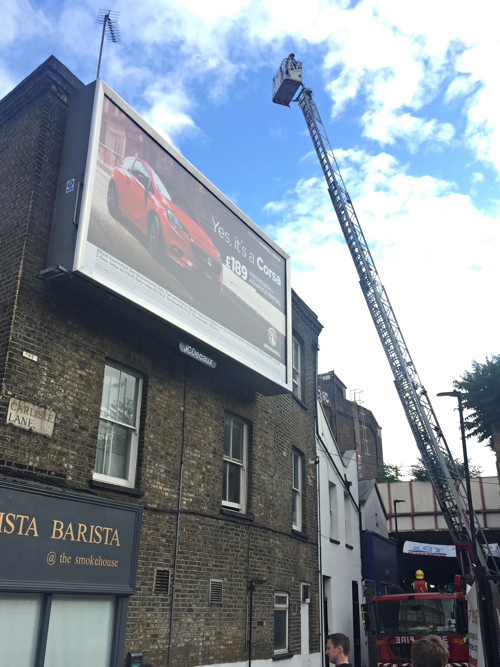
436 456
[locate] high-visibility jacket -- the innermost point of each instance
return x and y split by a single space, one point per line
420 586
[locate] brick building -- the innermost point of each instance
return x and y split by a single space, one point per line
353 426
192 540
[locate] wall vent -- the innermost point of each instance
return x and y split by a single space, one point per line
215 591
162 581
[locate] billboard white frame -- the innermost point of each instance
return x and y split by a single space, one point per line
260 296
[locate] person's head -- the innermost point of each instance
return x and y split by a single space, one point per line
429 651
419 574
337 648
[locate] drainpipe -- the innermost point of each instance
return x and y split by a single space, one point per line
178 527
251 588
321 592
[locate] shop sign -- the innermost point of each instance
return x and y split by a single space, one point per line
51 540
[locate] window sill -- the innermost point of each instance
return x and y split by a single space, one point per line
282 656
105 486
300 534
333 541
227 512
348 546
300 401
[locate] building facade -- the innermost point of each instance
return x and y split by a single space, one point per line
353 426
341 538
150 501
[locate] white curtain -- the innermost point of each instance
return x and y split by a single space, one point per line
80 631
19 619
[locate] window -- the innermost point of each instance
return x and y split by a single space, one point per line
347 511
76 630
334 514
128 163
281 623
80 630
235 455
297 461
296 368
141 173
117 440
19 623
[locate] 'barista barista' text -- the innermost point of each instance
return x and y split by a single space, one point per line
22 524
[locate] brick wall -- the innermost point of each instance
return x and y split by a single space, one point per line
182 423
354 426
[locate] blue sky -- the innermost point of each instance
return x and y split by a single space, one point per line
408 92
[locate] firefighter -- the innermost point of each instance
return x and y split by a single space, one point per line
420 585
290 63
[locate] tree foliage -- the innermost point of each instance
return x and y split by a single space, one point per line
481 396
419 471
388 473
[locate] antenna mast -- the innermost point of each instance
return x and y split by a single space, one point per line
109 21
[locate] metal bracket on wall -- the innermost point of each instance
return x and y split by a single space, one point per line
53 272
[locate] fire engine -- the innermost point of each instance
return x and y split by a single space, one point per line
473 552
401 619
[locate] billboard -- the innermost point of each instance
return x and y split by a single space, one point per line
154 230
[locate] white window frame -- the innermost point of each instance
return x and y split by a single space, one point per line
297 468
347 519
280 606
241 463
334 511
297 368
132 428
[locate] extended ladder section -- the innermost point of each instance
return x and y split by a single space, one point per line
432 446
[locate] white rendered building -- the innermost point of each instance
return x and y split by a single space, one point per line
340 547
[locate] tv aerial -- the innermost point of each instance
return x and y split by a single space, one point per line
110 29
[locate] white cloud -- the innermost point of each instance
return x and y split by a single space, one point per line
7 81
412 76
386 126
395 57
401 56
168 113
21 22
436 255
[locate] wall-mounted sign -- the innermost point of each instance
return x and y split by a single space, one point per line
196 354
31 417
51 540
445 550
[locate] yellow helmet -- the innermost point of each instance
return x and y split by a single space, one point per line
419 574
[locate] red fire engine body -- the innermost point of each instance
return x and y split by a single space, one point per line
403 618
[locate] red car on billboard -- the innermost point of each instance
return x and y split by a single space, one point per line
136 191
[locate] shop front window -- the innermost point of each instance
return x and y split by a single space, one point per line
76 630
80 631
19 622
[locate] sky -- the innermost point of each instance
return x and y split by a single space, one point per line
408 94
